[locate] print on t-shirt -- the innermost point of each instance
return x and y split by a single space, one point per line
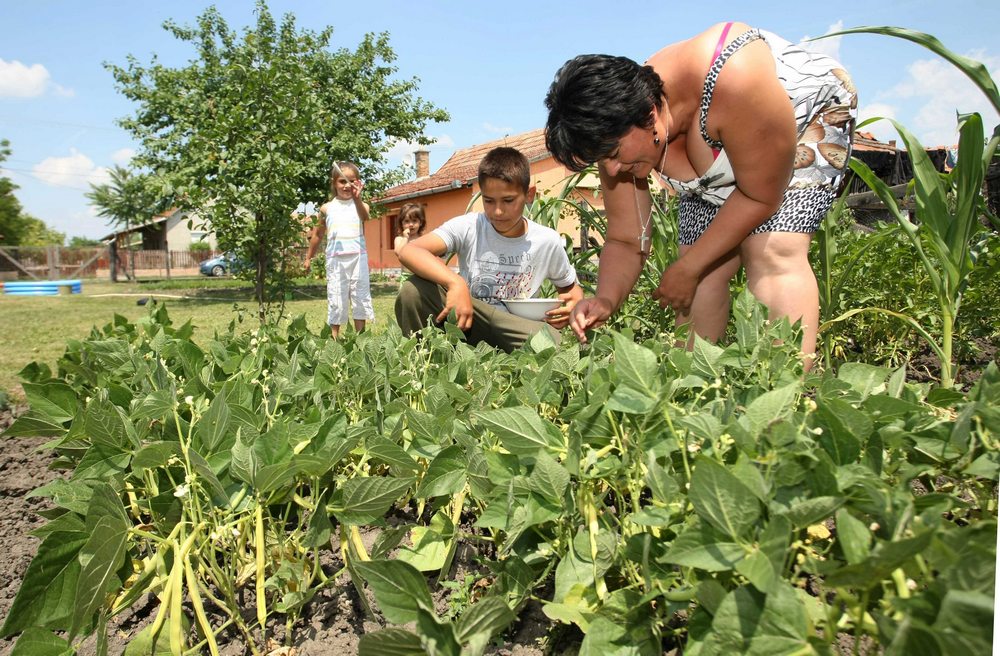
502 276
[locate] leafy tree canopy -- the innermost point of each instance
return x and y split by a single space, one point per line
129 199
248 129
16 227
83 242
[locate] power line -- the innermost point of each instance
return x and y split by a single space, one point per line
34 174
63 123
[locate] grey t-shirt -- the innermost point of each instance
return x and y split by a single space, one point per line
498 268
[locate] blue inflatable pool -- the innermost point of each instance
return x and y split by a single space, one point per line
41 287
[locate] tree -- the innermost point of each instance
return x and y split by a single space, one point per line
128 200
16 227
249 129
83 242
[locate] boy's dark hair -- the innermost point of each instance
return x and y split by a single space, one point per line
593 101
507 164
416 210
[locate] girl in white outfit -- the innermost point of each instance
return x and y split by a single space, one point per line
342 223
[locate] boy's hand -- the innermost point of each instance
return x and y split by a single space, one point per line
559 317
459 299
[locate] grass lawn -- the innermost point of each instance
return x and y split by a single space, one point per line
37 327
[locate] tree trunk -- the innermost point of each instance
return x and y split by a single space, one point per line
261 269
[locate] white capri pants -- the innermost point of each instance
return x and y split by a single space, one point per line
347 279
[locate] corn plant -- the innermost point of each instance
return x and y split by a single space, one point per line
945 234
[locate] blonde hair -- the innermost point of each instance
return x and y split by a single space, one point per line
337 170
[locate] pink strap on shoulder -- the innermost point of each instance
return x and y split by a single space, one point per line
722 41
718 51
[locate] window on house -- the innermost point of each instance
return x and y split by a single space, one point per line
198 235
392 225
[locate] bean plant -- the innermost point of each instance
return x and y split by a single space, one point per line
652 497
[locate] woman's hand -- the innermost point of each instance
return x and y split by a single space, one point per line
559 317
677 287
589 313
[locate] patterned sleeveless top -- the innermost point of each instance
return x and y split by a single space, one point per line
824 101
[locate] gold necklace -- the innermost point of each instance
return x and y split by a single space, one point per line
644 225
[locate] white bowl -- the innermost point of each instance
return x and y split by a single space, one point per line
532 308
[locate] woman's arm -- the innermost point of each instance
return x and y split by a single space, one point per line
752 116
622 255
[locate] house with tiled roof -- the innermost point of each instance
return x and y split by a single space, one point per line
452 191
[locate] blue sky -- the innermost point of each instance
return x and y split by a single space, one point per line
488 63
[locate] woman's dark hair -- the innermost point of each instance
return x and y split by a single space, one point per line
593 101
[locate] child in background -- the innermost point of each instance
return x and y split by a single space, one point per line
412 223
342 223
502 255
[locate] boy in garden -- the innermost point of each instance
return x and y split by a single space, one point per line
342 223
502 255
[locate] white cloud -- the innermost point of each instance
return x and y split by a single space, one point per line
77 170
402 151
882 130
830 46
122 156
489 127
20 81
937 90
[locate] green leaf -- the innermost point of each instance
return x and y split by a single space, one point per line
485 618
445 476
438 637
73 496
33 425
157 406
845 429
105 423
975 70
811 511
853 537
430 544
399 588
612 637
721 499
56 401
390 642
631 401
770 407
154 455
38 642
47 594
370 497
101 557
101 461
759 570
700 547
748 622
392 454
521 430
548 478
214 426
879 565
635 365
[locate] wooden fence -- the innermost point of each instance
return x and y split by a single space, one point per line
59 263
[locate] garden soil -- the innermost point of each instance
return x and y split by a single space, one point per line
333 622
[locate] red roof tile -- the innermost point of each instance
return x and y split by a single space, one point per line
462 167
